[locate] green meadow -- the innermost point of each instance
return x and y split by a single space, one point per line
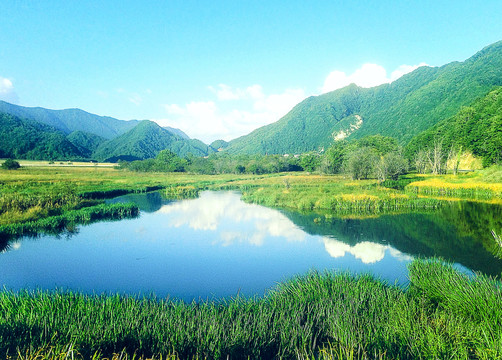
442 313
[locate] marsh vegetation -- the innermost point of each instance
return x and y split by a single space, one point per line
441 312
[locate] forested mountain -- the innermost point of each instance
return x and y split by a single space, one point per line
145 141
86 142
401 109
477 128
27 139
177 132
97 137
219 144
70 120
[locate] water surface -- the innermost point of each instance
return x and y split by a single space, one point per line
218 246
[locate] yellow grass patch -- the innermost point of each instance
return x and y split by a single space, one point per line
358 197
441 184
394 195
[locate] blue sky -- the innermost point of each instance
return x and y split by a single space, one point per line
219 69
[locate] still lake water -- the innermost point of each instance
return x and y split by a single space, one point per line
217 246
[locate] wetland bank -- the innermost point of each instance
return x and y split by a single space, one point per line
297 299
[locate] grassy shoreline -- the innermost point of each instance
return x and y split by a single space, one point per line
38 198
441 314
30 192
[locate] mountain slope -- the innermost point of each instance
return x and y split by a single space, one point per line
27 139
86 142
402 109
177 132
477 128
145 141
70 120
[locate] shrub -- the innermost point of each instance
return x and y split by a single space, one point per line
10 164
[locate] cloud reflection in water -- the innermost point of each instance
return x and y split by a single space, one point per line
219 211
223 211
367 252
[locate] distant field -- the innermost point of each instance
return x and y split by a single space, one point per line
61 163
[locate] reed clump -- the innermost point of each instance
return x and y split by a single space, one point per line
441 314
181 192
69 219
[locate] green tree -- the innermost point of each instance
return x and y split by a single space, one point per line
391 165
360 163
333 159
309 161
239 169
166 160
382 144
420 161
201 165
10 164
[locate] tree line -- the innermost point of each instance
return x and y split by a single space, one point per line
372 157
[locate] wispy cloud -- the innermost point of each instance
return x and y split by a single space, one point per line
136 99
225 92
368 75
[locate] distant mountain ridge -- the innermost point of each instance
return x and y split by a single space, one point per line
28 139
145 141
93 137
70 120
86 142
401 109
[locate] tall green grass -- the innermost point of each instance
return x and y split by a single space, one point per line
182 192
33 193
442 314
338 199
36 193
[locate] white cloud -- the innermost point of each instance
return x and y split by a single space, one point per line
7 92
368 75
219 119
279 104
174 110
231 112
255 91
